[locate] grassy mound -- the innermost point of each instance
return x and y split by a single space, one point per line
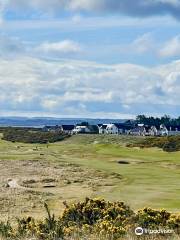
93 219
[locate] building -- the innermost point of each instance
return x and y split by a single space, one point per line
163 131
112 129
108 129
115 128
153 131
81 130
123 128
139 130
67 129
102 128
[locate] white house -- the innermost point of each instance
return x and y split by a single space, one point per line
163 131
151 131
112 129
142 130
108 129
81 129
138 131
102 128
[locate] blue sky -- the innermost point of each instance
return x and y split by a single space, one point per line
89 58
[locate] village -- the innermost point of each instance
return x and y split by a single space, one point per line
129 128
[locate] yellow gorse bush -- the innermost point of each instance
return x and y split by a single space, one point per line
108 220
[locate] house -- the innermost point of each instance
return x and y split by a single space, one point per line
81 129
88 129
112 129
149 130
163 131
145 130
102 128
123 128
152 131
67 129
168 130
139 130
108 129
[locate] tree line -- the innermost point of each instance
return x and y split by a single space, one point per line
157 121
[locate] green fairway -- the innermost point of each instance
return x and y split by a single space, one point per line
88 165
150 179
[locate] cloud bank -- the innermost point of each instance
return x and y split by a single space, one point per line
66 87
138 8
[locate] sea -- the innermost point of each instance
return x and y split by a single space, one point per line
41 122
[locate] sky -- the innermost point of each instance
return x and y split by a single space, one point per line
89 58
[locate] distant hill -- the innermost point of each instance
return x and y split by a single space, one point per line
40 122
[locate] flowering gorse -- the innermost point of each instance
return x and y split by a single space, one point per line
97 217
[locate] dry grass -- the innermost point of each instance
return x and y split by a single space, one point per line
39 181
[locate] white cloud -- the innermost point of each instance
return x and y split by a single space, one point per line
62 47
13 47
147 44
171 48
77 95
143 44
56 88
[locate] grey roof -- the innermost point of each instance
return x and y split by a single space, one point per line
67 127
104 126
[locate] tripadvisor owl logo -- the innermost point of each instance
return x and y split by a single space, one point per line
139 231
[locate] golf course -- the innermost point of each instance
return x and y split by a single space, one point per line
86 166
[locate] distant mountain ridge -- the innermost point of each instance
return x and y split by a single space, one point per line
40 122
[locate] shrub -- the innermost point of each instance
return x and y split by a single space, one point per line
26 136
5 229
92 217
168 143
